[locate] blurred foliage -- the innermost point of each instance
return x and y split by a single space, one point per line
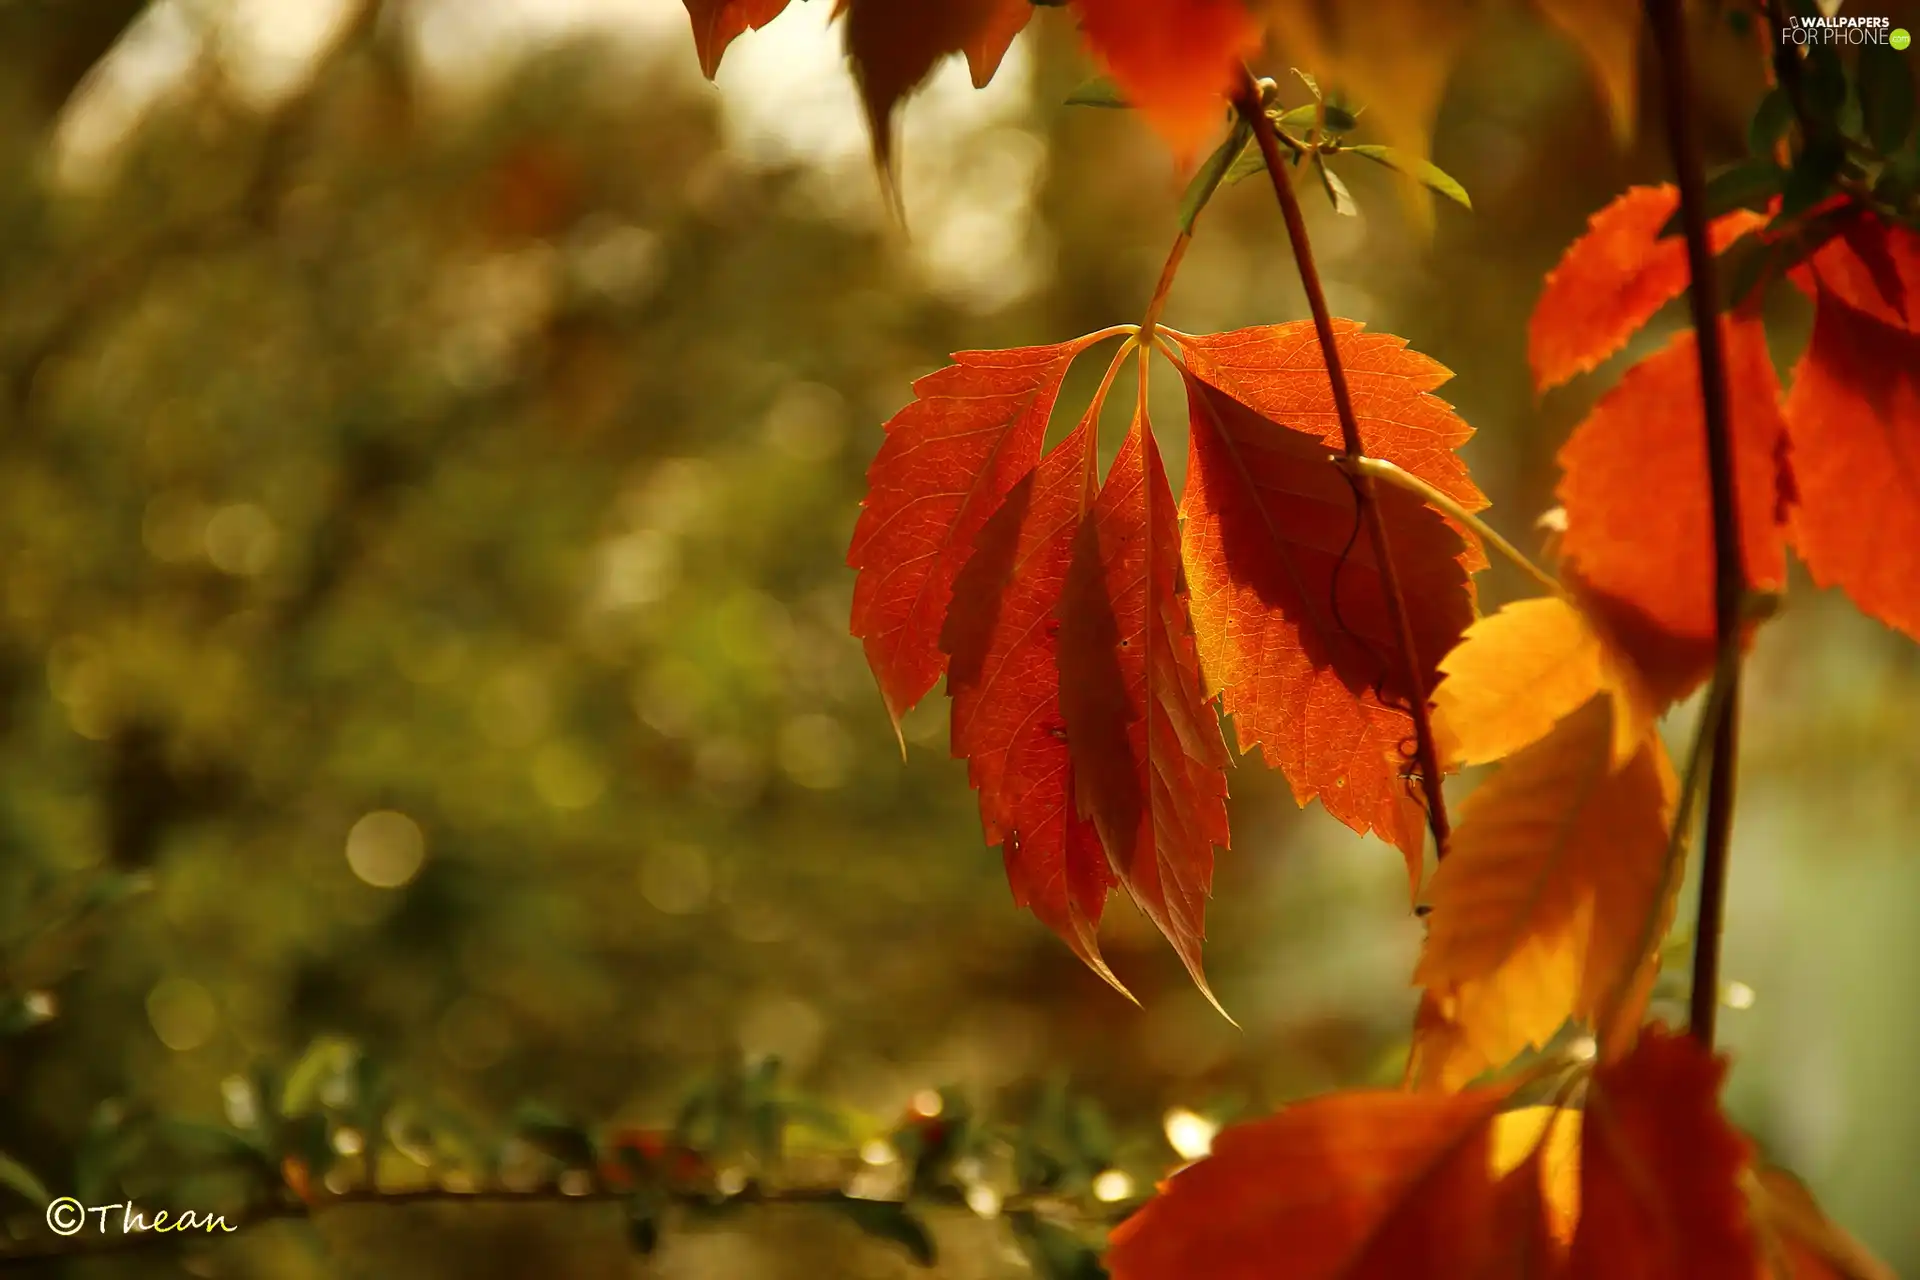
423 669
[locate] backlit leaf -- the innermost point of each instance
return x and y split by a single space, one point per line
1365 1185
1004 679
1174 59
1853 416
1661 1170
1639 533
717 22
948 460
1541 911
1515 674
1611 281
1424 172
1309 673
1149 763
1797 1239
894 46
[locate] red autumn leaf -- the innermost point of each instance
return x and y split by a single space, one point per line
1366 1185
1175 59
1288 606
991 39
1004 679
1798 1240
894 46
717 22
948 460
1612 279
1871 266
1639 536
1661 1170
1854 419
1149 763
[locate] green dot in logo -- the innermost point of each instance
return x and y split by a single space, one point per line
1900 39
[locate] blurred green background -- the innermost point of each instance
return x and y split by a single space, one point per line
430 433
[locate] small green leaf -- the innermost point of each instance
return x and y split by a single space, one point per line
1313 86
1336 190
326 1060
1098 92
1208 180
1886 97
1813 174
554 1134
889 1220
18 1178
1250 163
1771 120
1747 184
1425 172
1056 1252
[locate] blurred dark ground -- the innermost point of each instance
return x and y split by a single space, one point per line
425 474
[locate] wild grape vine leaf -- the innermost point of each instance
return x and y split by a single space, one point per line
1004 679
1871 266
949 459
1356 1186
1612 279
1797 1239
1661 1170
1149 762
1853 416
1377 1184
1517 673
1551 903
1175 59
1288 607
716 24
893 47
1639 537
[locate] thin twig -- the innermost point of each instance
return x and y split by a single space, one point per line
1729 573
1381 469
1246 100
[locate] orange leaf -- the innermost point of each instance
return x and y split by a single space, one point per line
1312 675
894 45
1148 761
1797 1239
1004 679
1640 509
1175 59
990 41
1661 1170
717 22
1366 1185
948 460
1872 267
1513 675
1612 280
1552 900
1854 418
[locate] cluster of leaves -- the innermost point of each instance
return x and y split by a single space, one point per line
1091 632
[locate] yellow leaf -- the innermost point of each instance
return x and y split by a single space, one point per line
1551 902
1550 1136
1516 673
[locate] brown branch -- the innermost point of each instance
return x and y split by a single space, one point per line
1246 100
1729 573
